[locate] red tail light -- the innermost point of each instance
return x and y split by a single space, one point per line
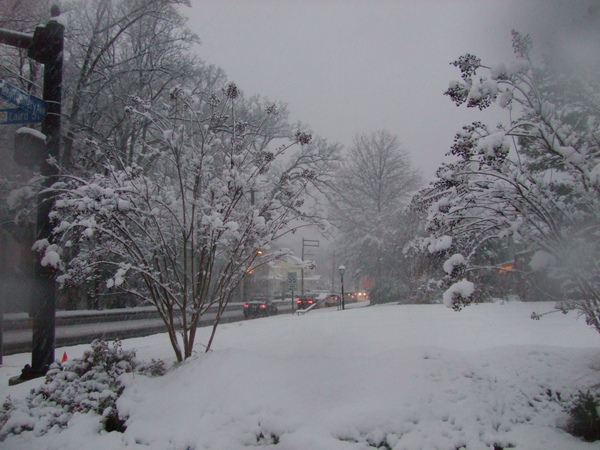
310 302
246 305
299 301
263 306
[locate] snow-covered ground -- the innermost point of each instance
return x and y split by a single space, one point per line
410 377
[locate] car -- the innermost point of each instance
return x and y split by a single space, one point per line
332 300
350 297
306 301
363 296
259 308
327 299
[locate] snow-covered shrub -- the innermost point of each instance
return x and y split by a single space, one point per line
216 177
585 416
155 368
90 384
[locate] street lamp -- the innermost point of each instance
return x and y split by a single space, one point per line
342 270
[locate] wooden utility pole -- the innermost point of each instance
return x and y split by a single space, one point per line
45 47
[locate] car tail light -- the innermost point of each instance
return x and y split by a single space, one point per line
263 306
246 305
310 302
299 301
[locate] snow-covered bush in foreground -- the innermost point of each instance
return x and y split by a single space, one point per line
530 185
585 416
91 384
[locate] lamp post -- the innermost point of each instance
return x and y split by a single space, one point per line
342 270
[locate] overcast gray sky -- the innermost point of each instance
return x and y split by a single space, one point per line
350 66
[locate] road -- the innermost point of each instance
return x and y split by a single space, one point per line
108 325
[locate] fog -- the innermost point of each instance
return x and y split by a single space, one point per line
347 67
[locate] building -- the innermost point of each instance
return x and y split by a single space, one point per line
271 279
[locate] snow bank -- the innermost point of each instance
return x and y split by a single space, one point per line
409 377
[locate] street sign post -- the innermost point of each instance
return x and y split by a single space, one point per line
306 243
33 105
292 279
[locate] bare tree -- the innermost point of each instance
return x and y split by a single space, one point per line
371 189
119 49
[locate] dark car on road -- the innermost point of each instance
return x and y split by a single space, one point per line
305 301
259 308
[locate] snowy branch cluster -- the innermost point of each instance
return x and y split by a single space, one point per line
534 183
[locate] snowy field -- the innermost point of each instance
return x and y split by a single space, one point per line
401 377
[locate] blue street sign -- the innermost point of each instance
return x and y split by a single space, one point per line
17 115
23 100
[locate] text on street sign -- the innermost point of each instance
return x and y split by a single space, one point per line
17 115
23 100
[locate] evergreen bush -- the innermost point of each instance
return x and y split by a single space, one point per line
585 416
91 383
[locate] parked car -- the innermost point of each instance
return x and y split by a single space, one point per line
327 299
350 297
305 301
259 308
332 300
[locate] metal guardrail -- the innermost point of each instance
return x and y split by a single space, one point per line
82 327
21 321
